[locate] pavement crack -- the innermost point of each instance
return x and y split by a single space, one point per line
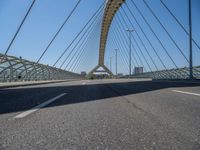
126 99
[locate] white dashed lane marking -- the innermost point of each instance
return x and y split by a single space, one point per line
185 92
36 108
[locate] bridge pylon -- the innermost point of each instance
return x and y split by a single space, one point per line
112 6
105 70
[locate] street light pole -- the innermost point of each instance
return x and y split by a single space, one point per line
116 60
190 41
110 63
129 32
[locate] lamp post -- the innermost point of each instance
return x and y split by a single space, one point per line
116 60
129 35
110 63
190 41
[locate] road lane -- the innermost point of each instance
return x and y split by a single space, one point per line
185 92
20 99
110 114
36 108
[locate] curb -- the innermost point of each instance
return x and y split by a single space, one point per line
35 83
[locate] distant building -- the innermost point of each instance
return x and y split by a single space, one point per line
83 73
138 70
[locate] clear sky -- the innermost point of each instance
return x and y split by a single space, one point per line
47 15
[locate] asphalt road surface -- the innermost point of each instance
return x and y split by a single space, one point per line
101 115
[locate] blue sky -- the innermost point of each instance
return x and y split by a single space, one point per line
180 9
47 15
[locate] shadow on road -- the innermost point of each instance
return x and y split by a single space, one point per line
21 99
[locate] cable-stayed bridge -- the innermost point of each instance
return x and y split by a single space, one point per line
113 19
113 74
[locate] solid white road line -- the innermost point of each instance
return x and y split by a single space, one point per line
184 92
26 113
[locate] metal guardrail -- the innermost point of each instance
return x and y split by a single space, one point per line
181 73
14 69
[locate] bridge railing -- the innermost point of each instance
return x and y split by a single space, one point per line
181 73
14 69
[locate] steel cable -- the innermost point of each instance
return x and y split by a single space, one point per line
56 34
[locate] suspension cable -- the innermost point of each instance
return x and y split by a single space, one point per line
180 24
146 37
83 50
137 52
137 36
125 65
136 41
84 40
54 37
120 50
154 33
122 33
85 32
169 35
78 34
132 53
19 28
122 42
152 12
124 57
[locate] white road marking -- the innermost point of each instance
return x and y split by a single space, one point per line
184 92
36 108
83 83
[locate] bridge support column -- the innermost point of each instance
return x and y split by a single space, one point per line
106 70
111 8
